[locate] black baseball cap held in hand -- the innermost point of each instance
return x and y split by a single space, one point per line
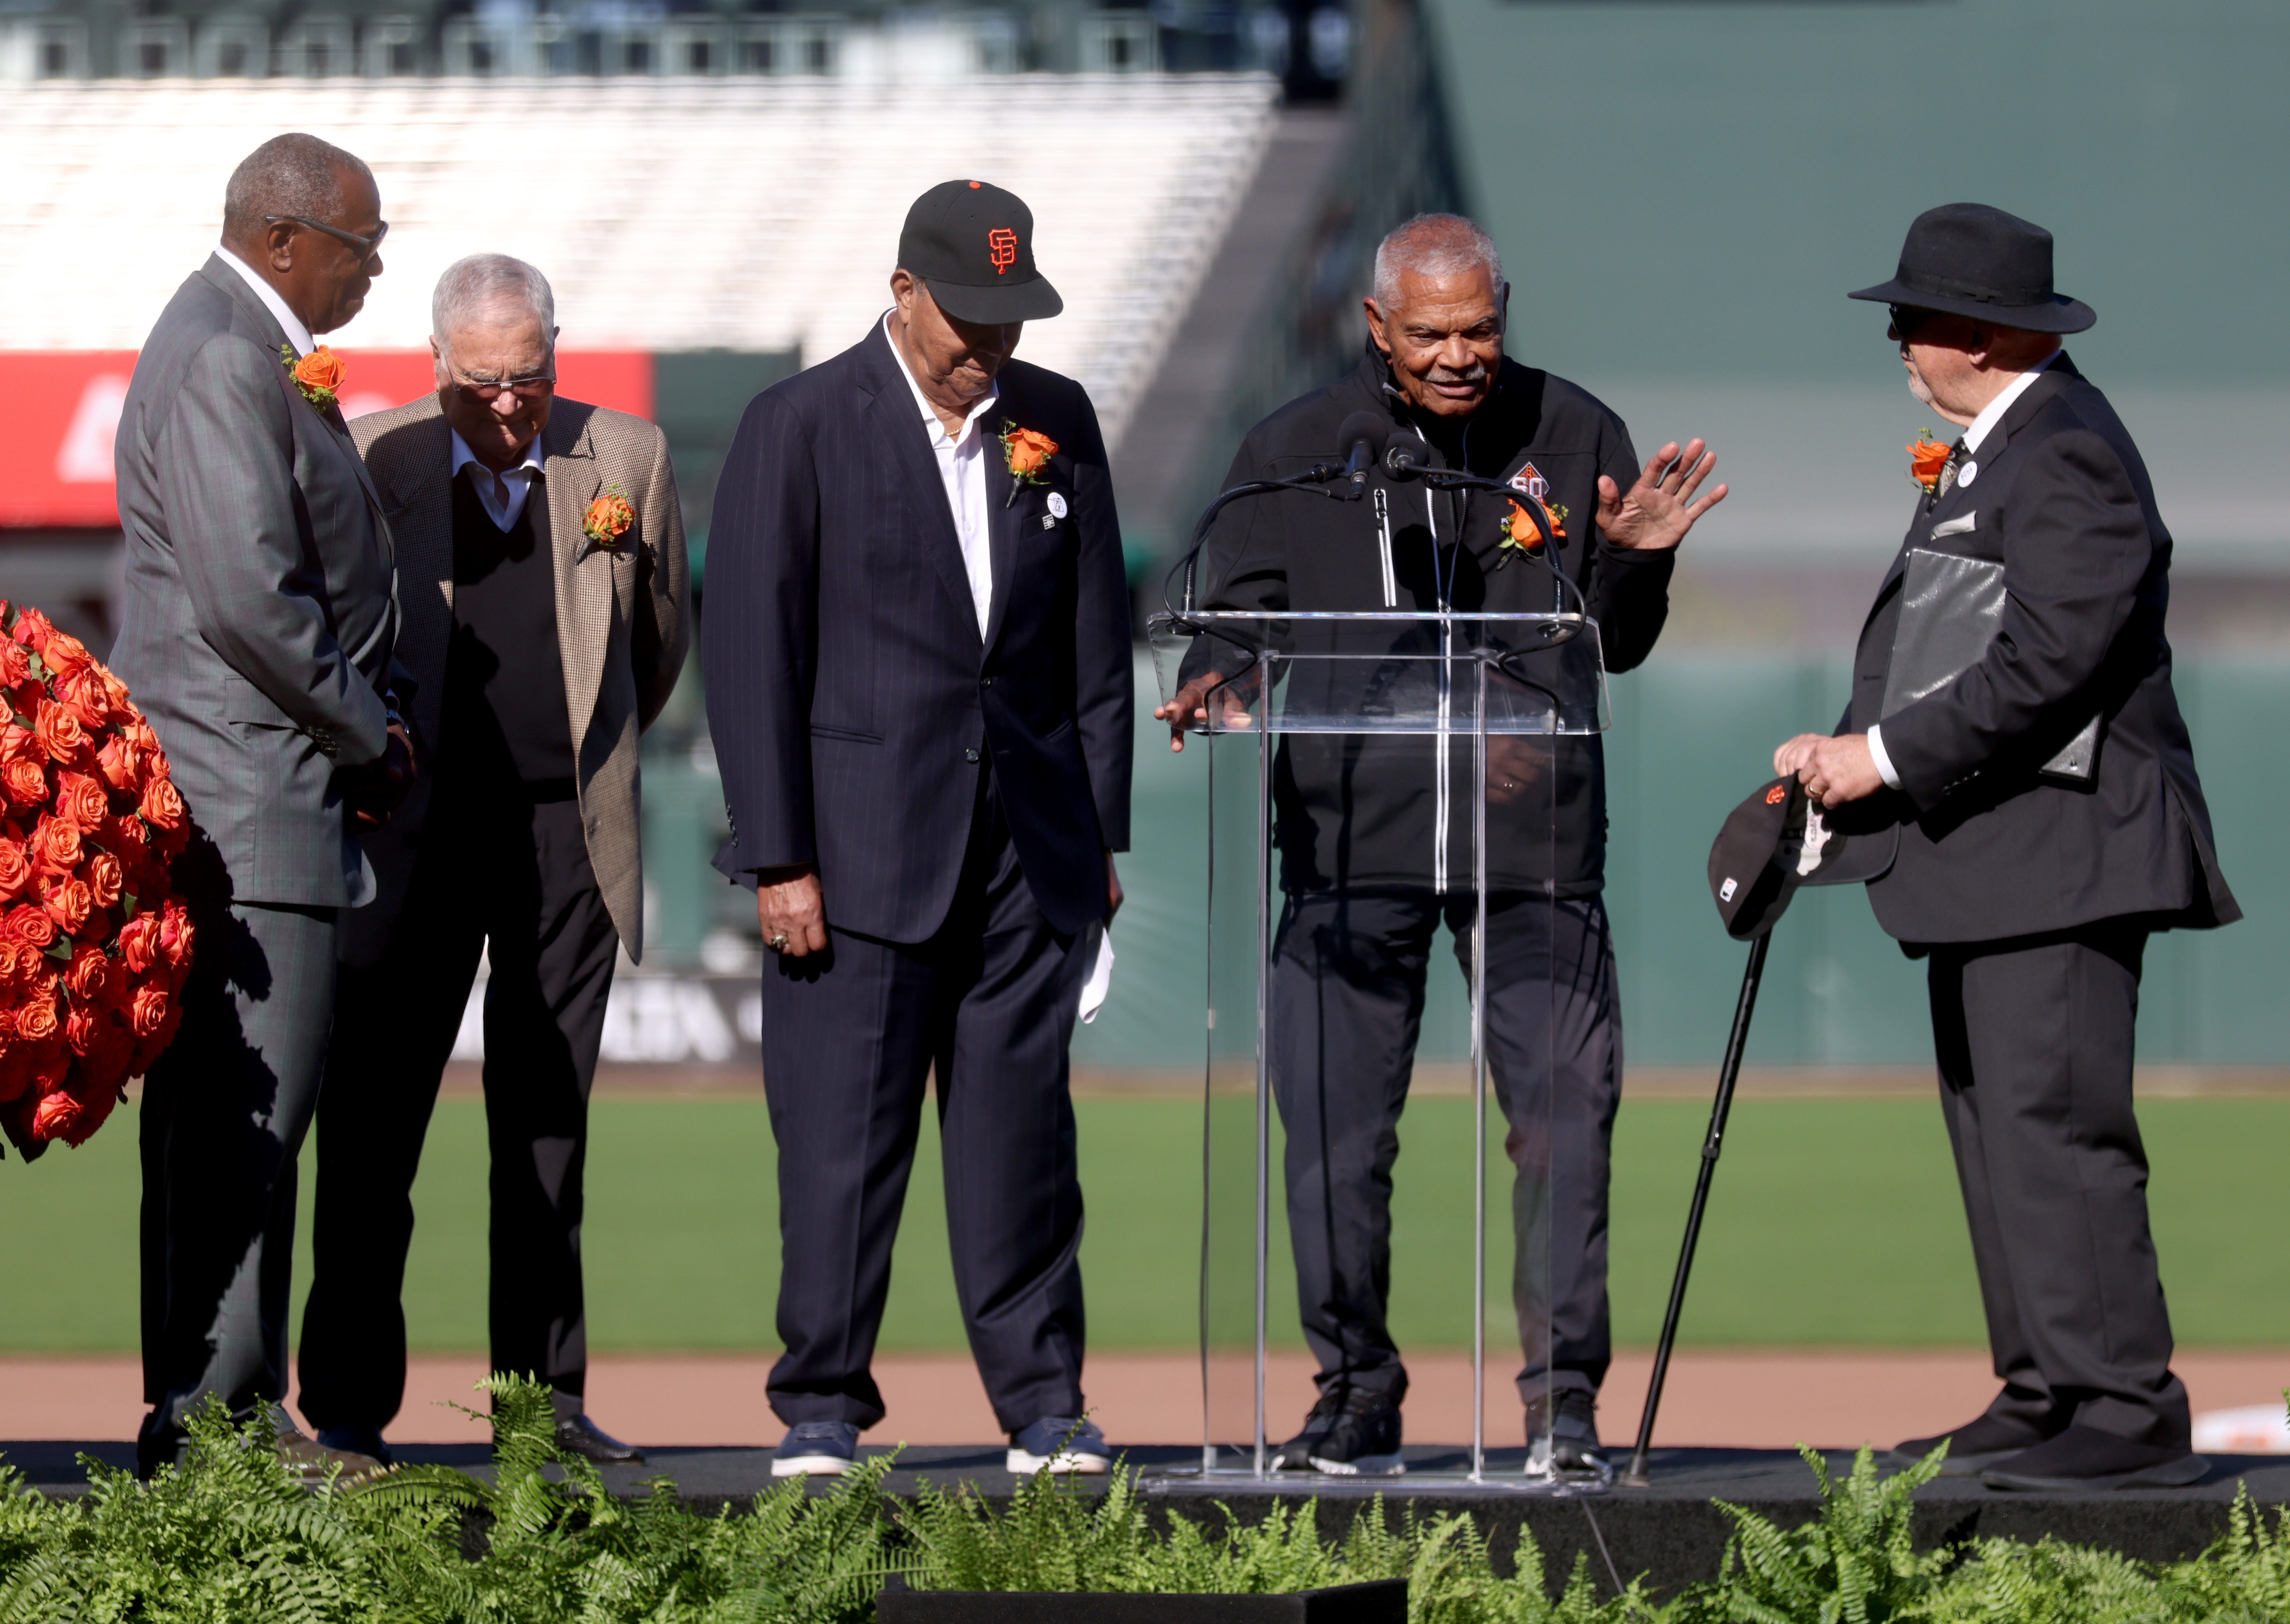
1778 840
972 245
1969 260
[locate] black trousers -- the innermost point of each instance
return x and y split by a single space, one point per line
1348 988
2034 1037
988 1003
498 873
223 1118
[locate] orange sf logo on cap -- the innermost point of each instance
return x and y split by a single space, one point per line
1002 246
1777 795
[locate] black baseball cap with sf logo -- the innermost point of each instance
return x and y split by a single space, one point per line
972 245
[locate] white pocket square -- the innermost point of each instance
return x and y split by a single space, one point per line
1962 525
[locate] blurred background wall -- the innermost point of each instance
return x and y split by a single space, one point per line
1681 189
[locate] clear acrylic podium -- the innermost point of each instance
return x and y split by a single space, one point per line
1318 727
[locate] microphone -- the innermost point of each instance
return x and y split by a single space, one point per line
1400 461
1361 438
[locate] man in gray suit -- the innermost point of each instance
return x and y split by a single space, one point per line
257 632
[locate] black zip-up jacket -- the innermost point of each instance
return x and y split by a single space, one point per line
1363 811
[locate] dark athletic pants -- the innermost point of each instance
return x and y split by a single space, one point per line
223 1117
2034 1037
1347 1003
499 873
990 1003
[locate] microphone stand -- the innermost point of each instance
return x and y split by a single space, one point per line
1399 465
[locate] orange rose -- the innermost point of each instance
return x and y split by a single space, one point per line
36 1019
607 518
162 806
120 764
115 691
61 732
1926 458
321 371
15 664
29 925
175 933
91 976
69 902
82 694
106 877
139 943
137 732
66 655
81 799
26 782
1028 449
15 869
32 629
13 964
148 1012
55 847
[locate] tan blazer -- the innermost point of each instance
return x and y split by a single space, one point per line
623 624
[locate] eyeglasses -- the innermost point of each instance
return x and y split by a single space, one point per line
487 390
1906 320
365 247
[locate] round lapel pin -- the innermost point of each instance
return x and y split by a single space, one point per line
1057 504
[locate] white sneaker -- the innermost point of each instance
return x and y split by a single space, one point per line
1062 1444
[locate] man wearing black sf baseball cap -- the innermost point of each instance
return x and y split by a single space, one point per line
971 244
920 686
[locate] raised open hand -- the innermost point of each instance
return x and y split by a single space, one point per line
1656 512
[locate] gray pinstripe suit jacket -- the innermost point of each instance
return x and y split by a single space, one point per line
261 613
623 623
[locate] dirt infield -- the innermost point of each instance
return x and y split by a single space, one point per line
1743 1398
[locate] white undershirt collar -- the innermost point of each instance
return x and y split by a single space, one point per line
1993 412
289 324
517 482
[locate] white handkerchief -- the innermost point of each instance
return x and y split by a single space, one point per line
1101 975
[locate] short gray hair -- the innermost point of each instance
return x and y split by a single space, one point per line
287 174
483 284
1433 246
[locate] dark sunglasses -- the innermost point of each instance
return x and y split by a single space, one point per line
365 247
1906 320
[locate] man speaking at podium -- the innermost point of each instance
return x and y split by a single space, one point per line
1375 854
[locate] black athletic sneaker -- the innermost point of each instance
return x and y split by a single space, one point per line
1348 1432
1573 1433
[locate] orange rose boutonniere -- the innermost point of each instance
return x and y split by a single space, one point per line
1026 450
606 520
319 375
1926 458
1520 535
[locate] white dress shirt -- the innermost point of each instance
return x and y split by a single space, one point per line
502 494
961 464
1989 416
289 324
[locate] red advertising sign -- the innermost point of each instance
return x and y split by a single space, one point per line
63 412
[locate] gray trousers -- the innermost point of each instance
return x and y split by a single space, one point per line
1348 987
2034 1037
224 1113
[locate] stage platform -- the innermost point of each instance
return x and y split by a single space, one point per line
1670 1532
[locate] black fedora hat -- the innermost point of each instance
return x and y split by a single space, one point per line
1969 260
972 245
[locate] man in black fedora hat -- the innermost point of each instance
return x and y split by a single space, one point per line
2012 711
919 687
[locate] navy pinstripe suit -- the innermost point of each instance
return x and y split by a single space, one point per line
958 794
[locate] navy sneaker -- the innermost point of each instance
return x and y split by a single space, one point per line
816 1449
1061 1443
1350 1431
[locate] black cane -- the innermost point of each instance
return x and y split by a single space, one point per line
1727 1076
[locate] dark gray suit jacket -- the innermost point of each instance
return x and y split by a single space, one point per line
260 608
1989 849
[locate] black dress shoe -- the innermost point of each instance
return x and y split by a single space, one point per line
577 1434
358 1438
2084 1457
1972 1448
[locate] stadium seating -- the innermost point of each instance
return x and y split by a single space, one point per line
669 214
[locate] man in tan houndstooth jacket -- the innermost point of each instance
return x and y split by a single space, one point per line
546 613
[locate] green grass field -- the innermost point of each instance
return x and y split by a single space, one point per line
1836 1223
